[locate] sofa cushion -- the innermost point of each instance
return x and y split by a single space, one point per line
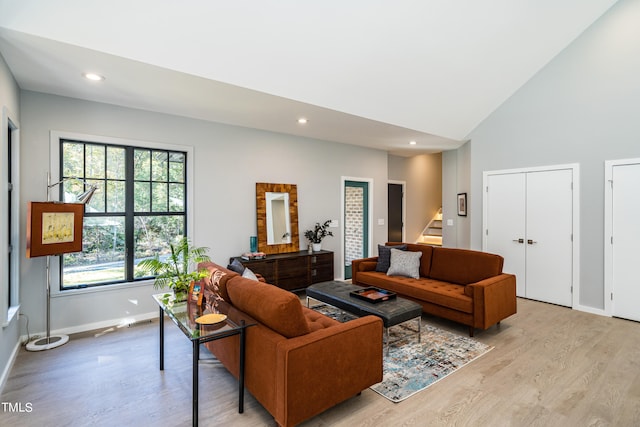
431 291
384 256
462 266
404 263
274 307
318 321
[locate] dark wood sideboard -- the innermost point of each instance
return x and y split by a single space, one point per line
294 270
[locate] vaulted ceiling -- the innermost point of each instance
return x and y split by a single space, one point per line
367 72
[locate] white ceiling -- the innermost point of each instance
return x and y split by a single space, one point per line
365 72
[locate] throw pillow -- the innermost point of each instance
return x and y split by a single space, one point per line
236 266
404 263
213 289
249 274
384 256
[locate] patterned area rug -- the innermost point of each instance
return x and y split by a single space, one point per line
412 366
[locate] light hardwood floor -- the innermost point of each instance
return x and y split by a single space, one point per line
551 366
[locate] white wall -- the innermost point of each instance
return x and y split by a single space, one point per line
9 335
423 191
228 162
581 108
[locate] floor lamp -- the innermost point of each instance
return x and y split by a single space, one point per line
53 229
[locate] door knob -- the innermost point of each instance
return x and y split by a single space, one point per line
531 242
518 240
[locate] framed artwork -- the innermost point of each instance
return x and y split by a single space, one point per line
462 204
54 228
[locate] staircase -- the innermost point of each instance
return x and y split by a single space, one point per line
432 233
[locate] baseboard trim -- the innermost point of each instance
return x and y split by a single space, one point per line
122 322
591 310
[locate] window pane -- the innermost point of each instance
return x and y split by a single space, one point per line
152 235
97 202
73 156
102 258
176 197
115 196
159 166
115 163
159 201
71 189
95 156
142 197
176 167
142 165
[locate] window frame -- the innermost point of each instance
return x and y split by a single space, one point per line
10 295
56 139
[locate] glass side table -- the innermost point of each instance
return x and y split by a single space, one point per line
183 314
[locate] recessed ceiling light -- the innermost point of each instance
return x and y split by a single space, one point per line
93 77
302 121
412 143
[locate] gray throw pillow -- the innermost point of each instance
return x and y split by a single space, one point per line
249 274
236 266
404 263
384 256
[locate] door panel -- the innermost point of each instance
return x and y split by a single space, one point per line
394 213
549 241
506 224
626 241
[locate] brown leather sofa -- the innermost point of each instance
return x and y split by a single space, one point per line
465 286
298 362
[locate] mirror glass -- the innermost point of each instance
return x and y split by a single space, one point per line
277 218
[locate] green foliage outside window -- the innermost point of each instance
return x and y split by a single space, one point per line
157 196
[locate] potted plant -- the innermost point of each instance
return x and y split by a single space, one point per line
319 232
176 270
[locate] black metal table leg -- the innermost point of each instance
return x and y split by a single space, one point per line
196 357
161 339
241 375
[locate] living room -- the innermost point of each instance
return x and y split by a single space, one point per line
579 108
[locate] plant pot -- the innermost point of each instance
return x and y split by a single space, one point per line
180 296
317 247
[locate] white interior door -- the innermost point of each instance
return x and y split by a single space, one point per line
505 227
626 241
549 246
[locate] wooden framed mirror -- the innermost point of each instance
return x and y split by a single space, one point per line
277 217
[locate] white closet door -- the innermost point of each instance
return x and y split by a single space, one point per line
506 224
549 217
626 241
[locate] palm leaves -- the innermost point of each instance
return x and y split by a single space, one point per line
174 272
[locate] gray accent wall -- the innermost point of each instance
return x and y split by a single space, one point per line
583 107
9 334
228 162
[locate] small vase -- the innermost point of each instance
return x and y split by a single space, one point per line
317 247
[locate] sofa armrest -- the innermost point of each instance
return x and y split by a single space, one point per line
494 299
364 264
318 370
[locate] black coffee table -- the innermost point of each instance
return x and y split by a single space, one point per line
392 312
